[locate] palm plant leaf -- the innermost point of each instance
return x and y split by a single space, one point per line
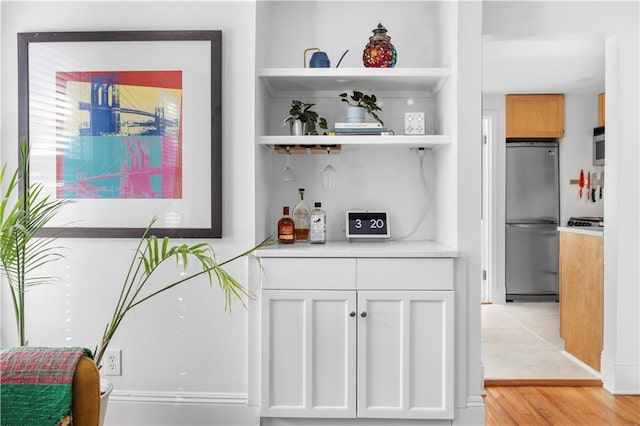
21 250
148 257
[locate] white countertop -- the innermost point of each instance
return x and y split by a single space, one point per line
596 231
360 249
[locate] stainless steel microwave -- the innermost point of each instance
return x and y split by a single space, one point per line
598 146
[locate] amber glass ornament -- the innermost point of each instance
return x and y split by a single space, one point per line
379 52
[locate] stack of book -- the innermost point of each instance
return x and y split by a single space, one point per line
358 129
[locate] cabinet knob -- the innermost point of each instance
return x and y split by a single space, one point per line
352 314
363 314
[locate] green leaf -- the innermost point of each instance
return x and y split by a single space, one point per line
21 253
135 292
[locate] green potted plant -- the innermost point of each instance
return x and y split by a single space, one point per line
302 120
360 103
24 211
22 252
138 288
149 255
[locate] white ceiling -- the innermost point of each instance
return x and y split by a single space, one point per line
570 64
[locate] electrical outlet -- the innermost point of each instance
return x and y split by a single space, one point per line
414 123
113 362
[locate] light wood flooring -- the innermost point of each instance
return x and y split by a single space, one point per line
559 406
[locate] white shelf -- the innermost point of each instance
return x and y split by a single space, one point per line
409 141
281 82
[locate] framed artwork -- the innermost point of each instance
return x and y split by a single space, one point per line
127 125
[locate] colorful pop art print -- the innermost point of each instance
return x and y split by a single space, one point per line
127 125
122 130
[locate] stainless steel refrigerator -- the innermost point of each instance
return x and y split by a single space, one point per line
532 214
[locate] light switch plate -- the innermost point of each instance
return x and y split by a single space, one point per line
414 123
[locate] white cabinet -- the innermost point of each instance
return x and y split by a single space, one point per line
352 352
405 354
308 353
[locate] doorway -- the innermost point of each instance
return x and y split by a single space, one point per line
520 340
511 332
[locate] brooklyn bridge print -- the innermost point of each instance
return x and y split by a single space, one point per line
119 134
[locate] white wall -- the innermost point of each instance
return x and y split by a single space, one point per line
576 153
618 22
469 142
183 344
184 359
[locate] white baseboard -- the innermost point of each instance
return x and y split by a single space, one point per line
183 408
214 398
293 421
619 376
142 408
471 415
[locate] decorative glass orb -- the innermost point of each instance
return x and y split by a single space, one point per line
379 52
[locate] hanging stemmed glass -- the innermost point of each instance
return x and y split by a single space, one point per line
288 174
328 173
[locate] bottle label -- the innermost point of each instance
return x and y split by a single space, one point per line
286 232
317 231
301 219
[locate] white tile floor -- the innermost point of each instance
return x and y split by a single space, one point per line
521 340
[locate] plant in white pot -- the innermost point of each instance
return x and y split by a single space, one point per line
302 120
359 103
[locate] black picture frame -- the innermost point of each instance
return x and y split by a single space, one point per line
72 225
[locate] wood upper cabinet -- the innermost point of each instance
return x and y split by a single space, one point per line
601 99
535 116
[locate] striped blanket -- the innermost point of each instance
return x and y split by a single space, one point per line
35 385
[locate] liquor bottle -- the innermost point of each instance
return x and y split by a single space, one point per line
301 218
318 225
286 228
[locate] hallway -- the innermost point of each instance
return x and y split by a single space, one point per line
522 341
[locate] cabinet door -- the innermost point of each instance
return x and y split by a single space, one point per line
308 353
581 293
405 354
601 110
535 116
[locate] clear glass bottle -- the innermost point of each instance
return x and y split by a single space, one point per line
301 218
318 225
286 228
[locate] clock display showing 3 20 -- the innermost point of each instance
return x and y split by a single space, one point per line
367 224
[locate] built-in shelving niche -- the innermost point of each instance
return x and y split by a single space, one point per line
318 84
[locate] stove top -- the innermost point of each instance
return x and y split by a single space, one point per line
586 221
